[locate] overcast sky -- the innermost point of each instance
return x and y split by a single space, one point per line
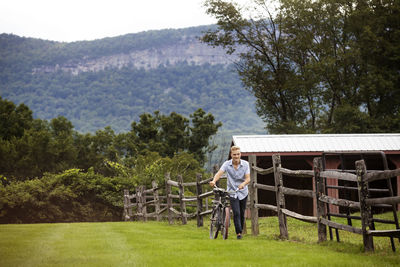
75 20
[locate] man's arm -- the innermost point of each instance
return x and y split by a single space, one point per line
216 177
246 181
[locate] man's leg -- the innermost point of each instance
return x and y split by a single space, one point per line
235 206
242 204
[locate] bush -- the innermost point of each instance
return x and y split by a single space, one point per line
70 196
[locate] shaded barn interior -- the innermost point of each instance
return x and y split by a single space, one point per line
375 161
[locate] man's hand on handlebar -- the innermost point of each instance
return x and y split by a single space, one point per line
212 183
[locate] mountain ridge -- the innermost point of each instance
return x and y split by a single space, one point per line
193 52
111 81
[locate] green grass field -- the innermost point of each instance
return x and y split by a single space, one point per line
161 244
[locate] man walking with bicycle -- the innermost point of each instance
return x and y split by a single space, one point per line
238 173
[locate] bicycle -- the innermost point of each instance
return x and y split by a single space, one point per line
220 216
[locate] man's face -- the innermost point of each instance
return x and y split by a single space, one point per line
235 155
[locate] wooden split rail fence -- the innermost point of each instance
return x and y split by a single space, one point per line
166 204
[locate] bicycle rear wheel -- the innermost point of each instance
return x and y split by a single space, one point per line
227 218
215 223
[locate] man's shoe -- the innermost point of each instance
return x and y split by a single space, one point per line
239 236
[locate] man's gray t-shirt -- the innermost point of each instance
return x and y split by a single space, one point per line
236 177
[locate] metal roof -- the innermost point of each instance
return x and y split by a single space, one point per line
317 142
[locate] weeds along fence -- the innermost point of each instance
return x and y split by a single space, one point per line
173 204
323 200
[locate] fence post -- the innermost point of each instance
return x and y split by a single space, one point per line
253 196
280 198
169 199
319 190
156 200
181 197
139 204
199 191
127 206
144 207
366 221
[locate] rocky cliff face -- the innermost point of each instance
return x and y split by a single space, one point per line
190 51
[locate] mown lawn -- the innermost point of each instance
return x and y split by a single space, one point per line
161 244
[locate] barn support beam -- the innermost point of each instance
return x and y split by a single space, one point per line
395 159
332 163
253 195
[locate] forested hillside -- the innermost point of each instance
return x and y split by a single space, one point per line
110 82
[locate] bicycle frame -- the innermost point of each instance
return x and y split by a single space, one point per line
220 216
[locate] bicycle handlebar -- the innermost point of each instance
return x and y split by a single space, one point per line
223 190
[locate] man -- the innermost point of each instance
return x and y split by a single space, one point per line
238 172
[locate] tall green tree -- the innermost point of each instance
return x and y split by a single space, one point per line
376 27
147 131
174 133
310 63
265 65
63 144
350 47
202 128
13 119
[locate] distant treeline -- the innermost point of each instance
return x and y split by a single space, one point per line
30 147
50 172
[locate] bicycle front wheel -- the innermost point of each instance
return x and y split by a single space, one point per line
227 218
215 223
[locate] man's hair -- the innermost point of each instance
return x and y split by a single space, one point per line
234 148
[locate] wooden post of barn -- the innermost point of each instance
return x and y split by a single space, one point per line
199 191
169 199
319 189
280 197
156 200
365 210
181 197
253 196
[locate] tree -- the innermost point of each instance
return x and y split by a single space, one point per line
63 147
13 119
342 39
203 127
172 134
32 154
376 27
265 66
95 150
147 131
308 64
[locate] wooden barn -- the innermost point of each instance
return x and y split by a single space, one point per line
338 152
